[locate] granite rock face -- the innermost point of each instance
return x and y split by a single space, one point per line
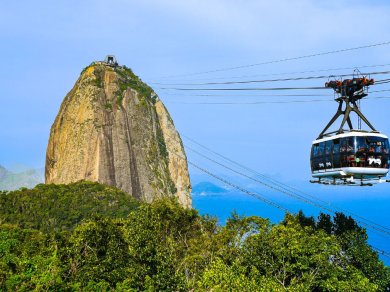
113 129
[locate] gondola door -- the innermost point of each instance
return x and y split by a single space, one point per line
336 154
328 157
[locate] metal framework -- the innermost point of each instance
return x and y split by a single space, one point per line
349 92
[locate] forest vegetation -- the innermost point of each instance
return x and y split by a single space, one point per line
90 237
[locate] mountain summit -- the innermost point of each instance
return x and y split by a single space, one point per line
112 128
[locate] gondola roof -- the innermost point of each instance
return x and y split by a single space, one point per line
350 134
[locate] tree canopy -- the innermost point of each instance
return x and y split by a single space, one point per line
116 243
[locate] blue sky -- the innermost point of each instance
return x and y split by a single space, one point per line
46 44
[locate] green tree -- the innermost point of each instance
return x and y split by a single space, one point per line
28 260
60 207
304 220
162 239
353 242
219 276
98 253
325 223
343 224
96 238
301 258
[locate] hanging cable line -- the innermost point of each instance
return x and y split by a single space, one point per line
382 252
282 60
290 194
255 95
380 229
254 102
380 90
378 97
264 95
241 95
379 82
243 89
287 73
266 102
253 194
269 80
281 185
283 190
382 81
257 196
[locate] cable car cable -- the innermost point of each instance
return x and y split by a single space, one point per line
252 103
246 95
253 194
305 200
253 95
288 73
382 252
380 90
268 80
284 186
204 156
383 81
264 102
281 60
257 88
241 89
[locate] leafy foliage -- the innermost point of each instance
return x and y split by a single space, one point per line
164 247
55 207
130 80
353 241
28 260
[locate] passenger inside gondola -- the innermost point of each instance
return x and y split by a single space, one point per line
352 151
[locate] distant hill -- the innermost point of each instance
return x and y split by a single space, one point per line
14 180
207 188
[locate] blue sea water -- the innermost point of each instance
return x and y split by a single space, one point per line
371 203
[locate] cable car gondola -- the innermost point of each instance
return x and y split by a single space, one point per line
347 155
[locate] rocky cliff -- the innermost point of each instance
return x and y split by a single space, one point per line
113 129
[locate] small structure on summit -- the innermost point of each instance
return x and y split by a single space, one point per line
111 60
